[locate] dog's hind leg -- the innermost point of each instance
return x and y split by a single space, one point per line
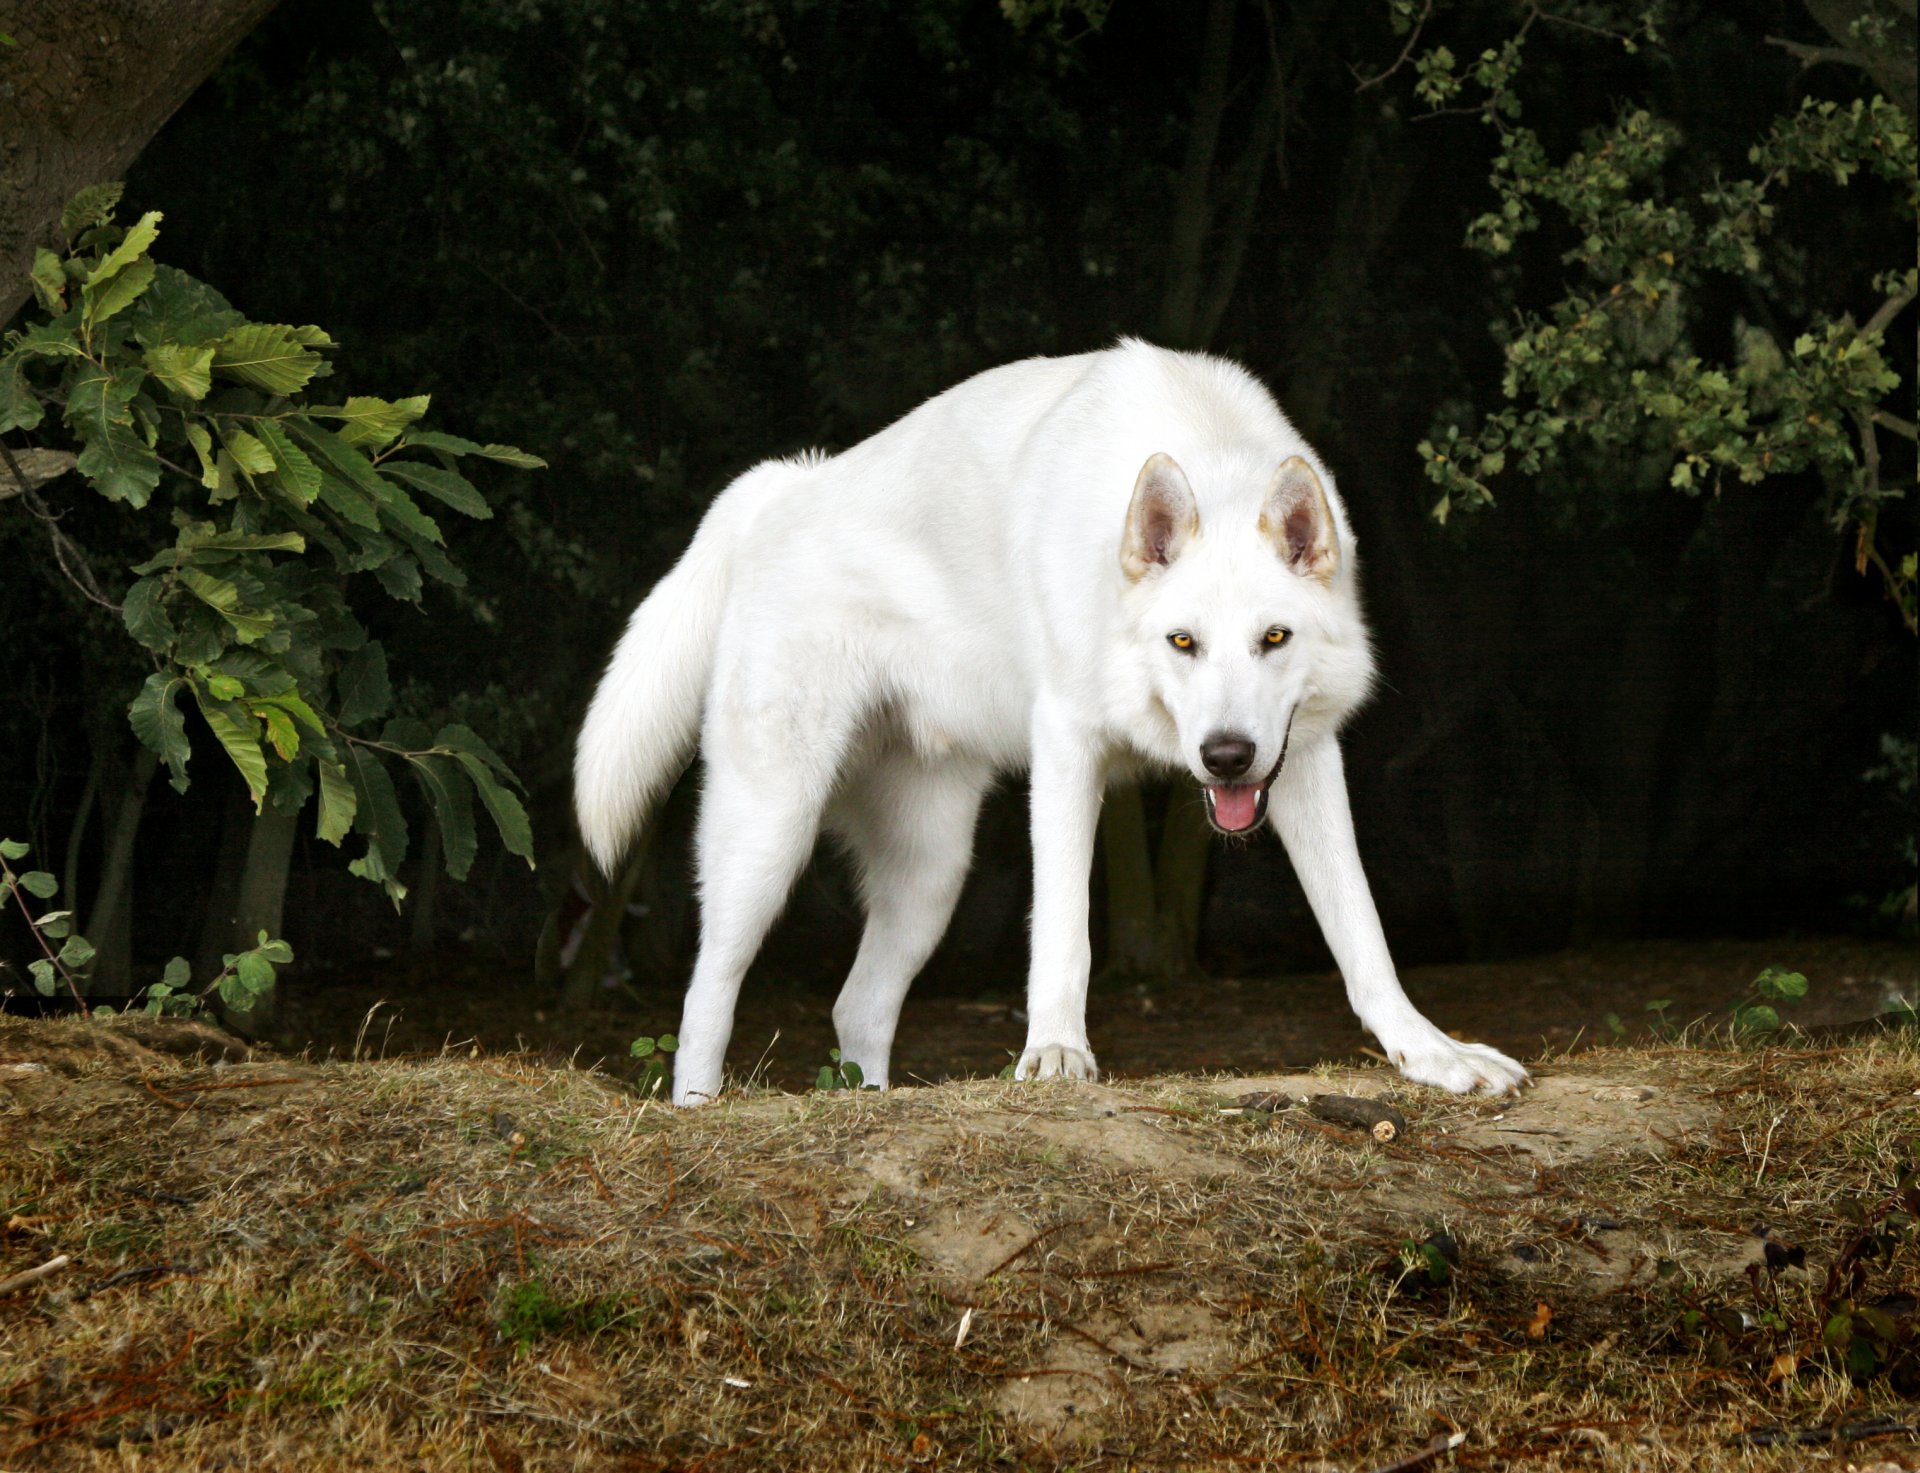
760 810
909 825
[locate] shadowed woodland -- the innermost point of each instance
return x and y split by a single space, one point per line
654 243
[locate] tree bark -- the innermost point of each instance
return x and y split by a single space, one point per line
88 83
217 926
425 896
262 900
1153 906
109 924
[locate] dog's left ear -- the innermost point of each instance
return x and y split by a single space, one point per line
1297 520
1161 520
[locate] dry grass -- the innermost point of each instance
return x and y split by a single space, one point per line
459 1263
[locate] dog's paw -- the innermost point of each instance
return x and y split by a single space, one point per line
691 1088
1056 1061
1460 1068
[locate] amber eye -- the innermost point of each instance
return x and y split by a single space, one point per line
1276 637
1180 639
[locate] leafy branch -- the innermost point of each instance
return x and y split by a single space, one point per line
158 393
1610 361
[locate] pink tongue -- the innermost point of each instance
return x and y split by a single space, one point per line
1233 805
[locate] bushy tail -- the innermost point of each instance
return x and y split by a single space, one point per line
641 729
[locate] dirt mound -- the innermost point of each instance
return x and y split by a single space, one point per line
465 1261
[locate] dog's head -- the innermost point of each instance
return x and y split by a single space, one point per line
1244 627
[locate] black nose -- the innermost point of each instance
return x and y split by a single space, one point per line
1226 755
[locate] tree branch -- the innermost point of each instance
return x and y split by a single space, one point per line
1399 61
71 557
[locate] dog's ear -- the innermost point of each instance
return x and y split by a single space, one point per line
1160 520
1299 523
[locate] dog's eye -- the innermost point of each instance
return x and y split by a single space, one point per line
1276 636
1181 640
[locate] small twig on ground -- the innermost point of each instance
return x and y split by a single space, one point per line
1443 1442
145 1274
1382 1122
27 1278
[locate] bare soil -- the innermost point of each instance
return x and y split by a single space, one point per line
477 1261
785 1028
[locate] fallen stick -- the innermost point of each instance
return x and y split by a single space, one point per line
1382 1122
27 1278
1443 1442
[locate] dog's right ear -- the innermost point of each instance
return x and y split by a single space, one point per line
1160 520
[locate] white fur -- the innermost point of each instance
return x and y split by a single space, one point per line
865 641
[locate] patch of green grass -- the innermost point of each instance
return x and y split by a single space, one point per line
532 1312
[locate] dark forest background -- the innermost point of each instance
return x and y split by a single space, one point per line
656 242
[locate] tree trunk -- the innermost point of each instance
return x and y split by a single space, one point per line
425 895
261 903
89 82
223 889
1133 916
110 922
590 963
77 835
1153 907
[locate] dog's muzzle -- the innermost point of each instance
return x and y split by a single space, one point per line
1238 808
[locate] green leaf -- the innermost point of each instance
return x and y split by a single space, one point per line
19 406
452 799
395 507
363 690
454 445
186 371
372 423
49 281
254 972
1756 1017
179 310
13 849
338 802
380 819
76 953
290 701
160 726
39 882
241 744
268 356
341 497
277 952
508 816
55 923
248 453
144 612
91 206
121 466
448 486
298 474
458 738
44 980
202 443
1784 986
177 974
133 245
282 735
244 541
224 599
119 293
400 577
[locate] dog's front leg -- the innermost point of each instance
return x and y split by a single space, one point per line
1068 775
1311 814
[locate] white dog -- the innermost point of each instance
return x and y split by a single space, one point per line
1077 566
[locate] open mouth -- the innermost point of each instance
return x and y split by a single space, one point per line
1234 808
